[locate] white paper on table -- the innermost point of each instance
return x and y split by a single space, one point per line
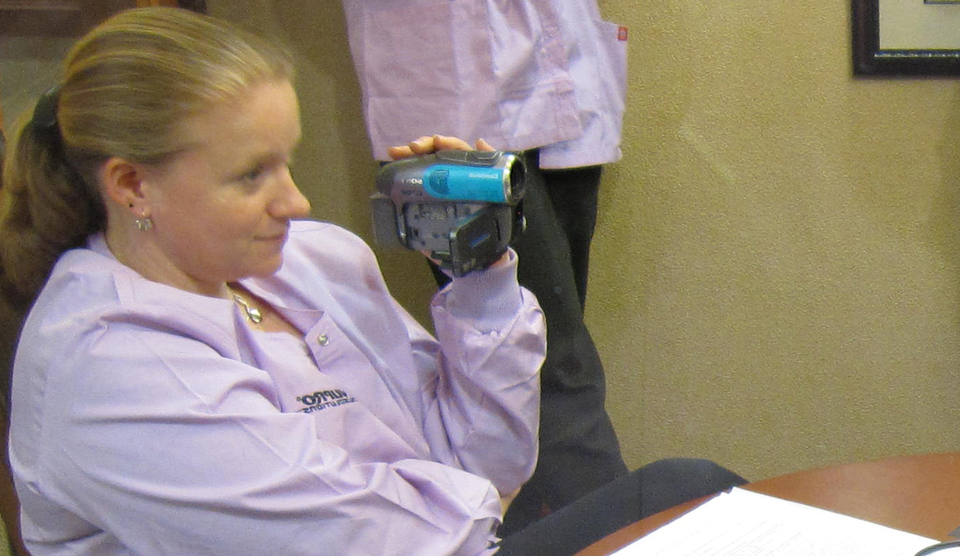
744 523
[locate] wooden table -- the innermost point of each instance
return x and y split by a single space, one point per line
919 494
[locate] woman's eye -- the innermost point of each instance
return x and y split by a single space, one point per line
252 175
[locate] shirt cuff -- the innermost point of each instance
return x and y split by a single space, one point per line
489 298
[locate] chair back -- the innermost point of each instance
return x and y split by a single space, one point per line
9 504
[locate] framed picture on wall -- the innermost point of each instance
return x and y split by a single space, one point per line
906 37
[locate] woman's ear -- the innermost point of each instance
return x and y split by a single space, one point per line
122 182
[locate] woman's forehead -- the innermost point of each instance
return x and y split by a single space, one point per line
265 116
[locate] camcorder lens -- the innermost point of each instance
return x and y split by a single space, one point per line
517 179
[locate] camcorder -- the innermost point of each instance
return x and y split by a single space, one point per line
463 207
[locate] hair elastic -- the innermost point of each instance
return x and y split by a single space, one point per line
45 113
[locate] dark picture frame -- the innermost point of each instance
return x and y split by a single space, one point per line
871 59
71 18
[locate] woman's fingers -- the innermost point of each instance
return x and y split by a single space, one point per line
432 143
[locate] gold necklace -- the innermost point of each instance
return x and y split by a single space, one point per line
254 314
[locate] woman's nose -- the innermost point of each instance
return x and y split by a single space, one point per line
290 203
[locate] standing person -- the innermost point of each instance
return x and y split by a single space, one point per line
542 76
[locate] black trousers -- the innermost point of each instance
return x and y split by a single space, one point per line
648 490
579 451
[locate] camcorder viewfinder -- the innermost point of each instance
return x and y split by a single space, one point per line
463 207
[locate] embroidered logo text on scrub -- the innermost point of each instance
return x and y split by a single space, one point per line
325 399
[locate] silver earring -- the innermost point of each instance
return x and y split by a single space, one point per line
144 224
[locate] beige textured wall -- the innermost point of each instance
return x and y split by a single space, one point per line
775 276
775 280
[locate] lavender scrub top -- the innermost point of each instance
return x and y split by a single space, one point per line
150 421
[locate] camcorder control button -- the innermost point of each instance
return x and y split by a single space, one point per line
438 180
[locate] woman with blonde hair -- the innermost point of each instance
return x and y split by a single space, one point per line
205 372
